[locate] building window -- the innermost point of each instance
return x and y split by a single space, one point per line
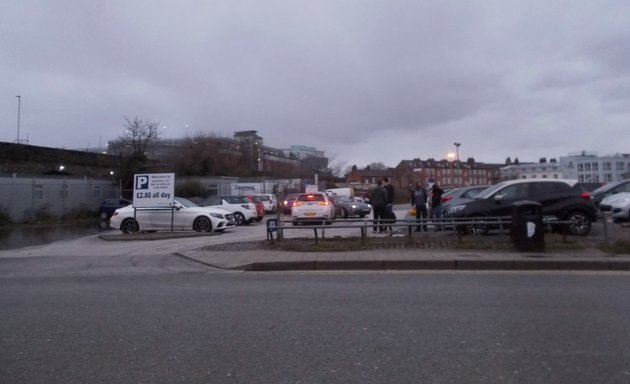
63 191
580 167
607 166
620 166
608 177
595 166
587 167
213 189
38 192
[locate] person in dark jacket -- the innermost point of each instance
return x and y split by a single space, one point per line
419 200
389 207
436 203
378 199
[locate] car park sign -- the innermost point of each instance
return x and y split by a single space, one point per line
153 190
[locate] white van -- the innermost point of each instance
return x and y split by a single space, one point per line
348 192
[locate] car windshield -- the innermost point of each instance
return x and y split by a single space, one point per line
343 199
451 192
238 200
185 202
608 187
490 190
311 197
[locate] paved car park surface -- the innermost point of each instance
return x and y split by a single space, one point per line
238 249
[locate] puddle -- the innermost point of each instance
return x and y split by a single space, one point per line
20 237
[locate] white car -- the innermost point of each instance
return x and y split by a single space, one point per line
269 200
618 205
186 215
242 208
312 207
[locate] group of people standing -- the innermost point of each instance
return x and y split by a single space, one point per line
382 200
420 196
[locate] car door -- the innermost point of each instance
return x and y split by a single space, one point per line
161 218
505 198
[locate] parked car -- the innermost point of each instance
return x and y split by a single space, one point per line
312 207
458 196
559 199
270 202
260 208
610 189
242 208
287 203
185 216
108 206
346 207
618 205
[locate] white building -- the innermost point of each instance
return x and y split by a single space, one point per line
546 170
589 168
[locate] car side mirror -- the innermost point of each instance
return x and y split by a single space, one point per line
498 198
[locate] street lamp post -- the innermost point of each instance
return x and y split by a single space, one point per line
451 157
457 151
17 140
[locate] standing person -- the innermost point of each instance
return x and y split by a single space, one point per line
419 200
436 203
390 199
378 199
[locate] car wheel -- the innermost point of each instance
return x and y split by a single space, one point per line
473 229
581 223
258 219
202 224
361 215
344 213
239 218
129 226
103 215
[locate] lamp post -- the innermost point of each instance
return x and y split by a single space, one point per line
457 150
451 156
17 140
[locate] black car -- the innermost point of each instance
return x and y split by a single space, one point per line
560 199
108 206
346 207
610 189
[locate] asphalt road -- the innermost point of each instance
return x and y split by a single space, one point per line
226 327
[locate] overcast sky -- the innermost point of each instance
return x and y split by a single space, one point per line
367 81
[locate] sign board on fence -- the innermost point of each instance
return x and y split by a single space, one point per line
153 190
242 189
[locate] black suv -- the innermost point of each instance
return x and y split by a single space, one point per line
560 199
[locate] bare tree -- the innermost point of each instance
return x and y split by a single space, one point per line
139 134
377 166
336 166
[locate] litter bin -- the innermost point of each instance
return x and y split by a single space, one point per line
527 226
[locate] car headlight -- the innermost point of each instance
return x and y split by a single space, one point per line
217 215
354 206
455 209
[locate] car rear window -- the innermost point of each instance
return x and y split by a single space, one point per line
311 197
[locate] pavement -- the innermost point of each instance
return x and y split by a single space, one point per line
408 259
